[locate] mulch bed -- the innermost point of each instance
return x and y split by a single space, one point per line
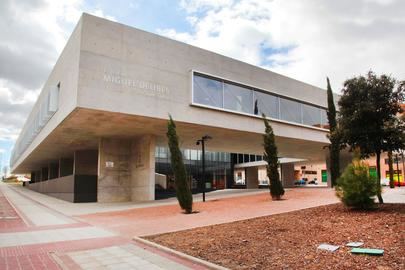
290 240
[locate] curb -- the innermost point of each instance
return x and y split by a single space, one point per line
179 254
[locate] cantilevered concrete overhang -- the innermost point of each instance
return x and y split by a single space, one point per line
83 129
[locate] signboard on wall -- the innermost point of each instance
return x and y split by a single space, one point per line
109 164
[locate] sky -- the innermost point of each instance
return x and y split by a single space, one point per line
306 40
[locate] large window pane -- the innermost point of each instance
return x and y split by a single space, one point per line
290 110
238 99
207 91
324 119
267 104
311 115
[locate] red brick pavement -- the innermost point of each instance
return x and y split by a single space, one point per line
161 219
39 256
9 218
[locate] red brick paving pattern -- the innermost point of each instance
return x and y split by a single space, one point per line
160 219
9 218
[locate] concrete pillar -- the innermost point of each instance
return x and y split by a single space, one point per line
114 176
287 174
86 162
126 169
143 168
252 177
38 176
32 177
53 170
44 173
65 167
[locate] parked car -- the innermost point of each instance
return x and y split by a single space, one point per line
313 182
300 182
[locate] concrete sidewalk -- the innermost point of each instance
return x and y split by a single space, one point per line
42 238
74 209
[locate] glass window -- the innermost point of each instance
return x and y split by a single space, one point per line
193 154
290 110
267 104
324 119
207 91
240 158
311 115
238 99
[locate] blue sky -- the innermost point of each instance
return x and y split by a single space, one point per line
306 40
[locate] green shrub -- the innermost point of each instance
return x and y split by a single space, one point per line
356 187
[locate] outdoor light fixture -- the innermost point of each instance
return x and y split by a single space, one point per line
202 141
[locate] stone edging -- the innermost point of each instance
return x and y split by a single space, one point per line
180 254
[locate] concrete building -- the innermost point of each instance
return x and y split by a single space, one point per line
98 128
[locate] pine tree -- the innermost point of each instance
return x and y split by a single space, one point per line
334 148
183 191
270 156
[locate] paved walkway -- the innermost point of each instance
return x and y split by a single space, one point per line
35 236
169 218
41 232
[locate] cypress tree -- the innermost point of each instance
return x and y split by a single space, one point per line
183 191
270 156
334 148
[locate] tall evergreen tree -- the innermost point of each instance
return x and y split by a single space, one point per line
368 117
271 157
334 148
183 191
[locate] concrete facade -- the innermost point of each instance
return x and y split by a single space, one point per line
116 86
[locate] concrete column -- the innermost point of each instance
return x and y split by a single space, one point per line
53 170
143 168
86 162
44 173
287 174
65 167
38 176
252 177
114 175
32 177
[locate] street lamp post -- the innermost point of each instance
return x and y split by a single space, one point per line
202 142
399 183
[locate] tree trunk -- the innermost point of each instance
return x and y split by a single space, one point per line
380 199
391 169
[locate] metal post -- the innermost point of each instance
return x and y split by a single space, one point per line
203 168
403 164
203 180
399 183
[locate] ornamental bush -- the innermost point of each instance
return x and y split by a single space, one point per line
356 188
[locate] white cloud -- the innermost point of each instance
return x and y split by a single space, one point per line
100 13
33 33
308 40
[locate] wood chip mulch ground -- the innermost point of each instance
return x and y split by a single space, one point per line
290 240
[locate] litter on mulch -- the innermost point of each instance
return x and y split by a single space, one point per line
354 244
328 247
368 251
